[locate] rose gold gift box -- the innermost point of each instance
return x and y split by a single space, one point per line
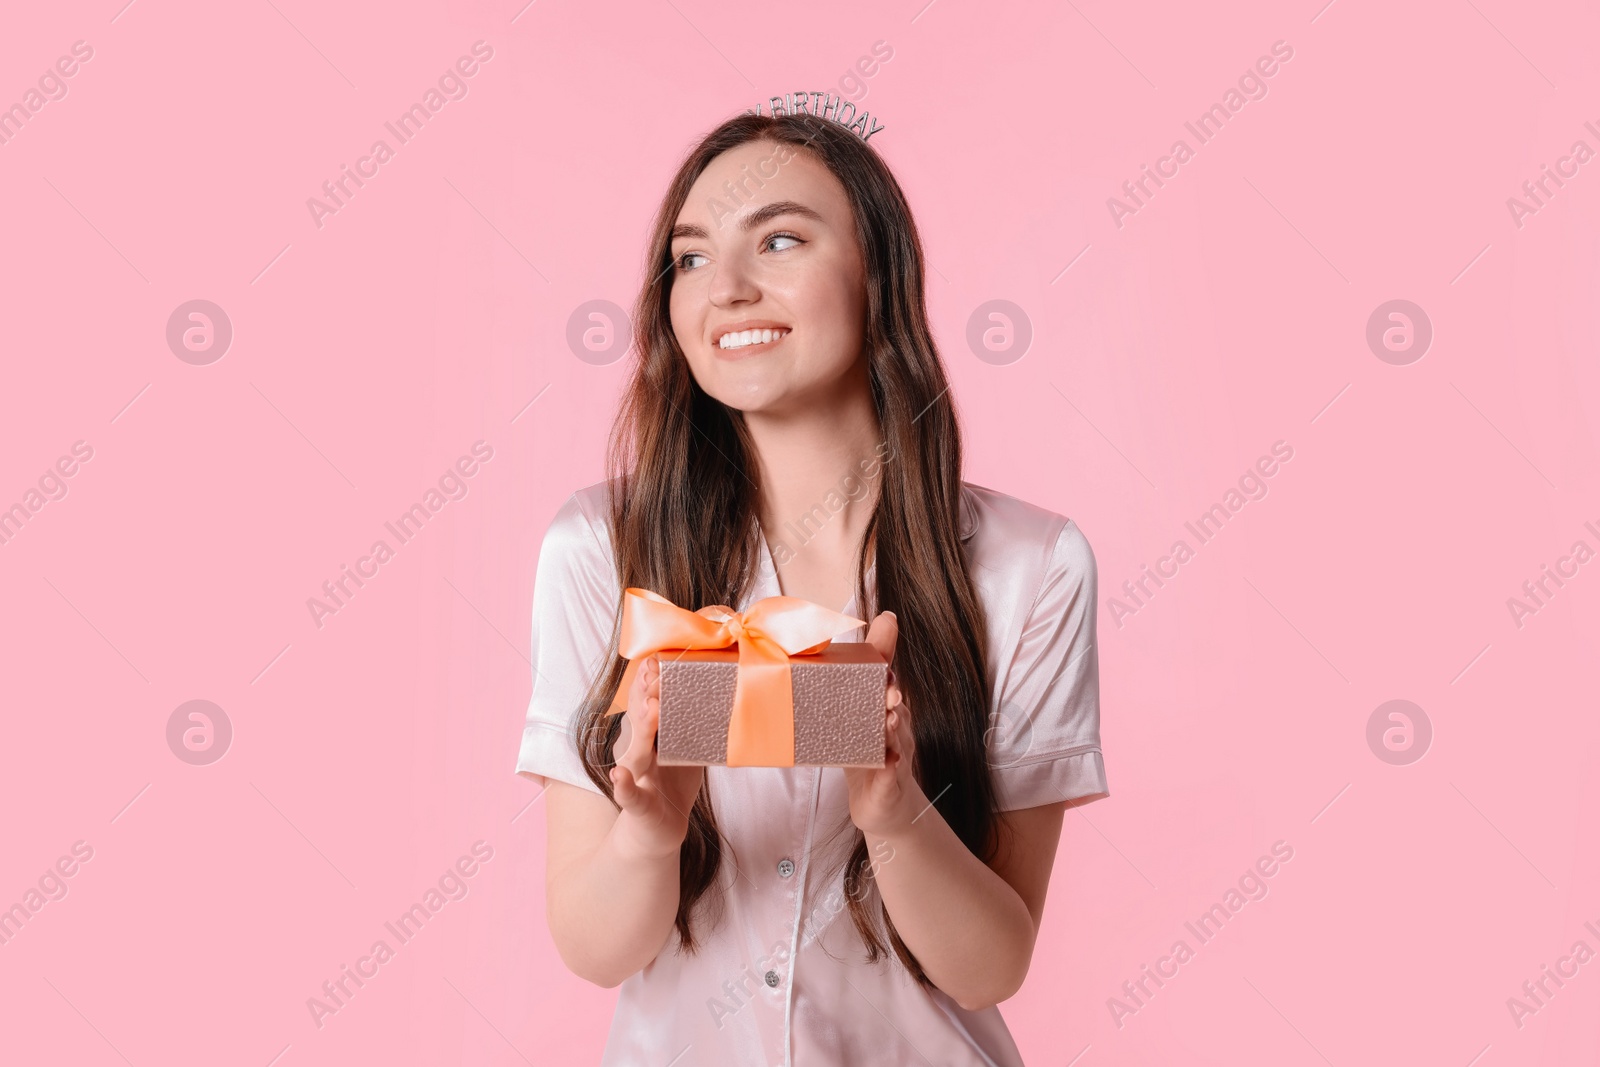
839 708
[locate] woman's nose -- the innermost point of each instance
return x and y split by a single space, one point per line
732 282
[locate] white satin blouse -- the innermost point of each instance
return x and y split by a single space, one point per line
781 979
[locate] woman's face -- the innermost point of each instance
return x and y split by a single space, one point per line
782 257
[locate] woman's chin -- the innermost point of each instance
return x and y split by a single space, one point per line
752 397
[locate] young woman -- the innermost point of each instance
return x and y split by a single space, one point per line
788 430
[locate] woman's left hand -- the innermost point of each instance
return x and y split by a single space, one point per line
884 800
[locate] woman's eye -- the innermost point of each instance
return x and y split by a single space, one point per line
683 263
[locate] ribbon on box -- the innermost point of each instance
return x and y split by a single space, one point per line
761 731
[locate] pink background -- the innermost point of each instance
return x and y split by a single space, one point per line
368 354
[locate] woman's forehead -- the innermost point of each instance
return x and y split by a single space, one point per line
754 175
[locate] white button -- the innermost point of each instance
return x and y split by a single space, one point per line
772 978
785 867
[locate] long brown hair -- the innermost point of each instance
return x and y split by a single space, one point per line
684 519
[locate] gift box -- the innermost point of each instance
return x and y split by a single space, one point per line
763 687
837 698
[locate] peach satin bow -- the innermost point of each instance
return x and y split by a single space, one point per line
761 731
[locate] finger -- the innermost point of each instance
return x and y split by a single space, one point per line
883 634
640 756
641 685
888 739
900 725
651 705
891 733
652 717
624 737
623 788
892 697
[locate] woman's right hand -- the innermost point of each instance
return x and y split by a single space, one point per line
655 800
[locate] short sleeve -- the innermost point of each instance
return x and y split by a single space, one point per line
575 599
1044 746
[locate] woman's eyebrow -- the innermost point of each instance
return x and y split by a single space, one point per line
766 213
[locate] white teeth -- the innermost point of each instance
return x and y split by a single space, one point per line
741 338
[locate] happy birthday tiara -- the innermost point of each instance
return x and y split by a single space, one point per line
829 107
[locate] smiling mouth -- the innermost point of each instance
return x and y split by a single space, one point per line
750 340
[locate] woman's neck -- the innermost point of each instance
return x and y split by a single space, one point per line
815 489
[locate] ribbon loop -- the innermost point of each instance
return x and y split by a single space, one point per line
761 729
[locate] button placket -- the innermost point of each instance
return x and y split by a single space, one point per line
799 896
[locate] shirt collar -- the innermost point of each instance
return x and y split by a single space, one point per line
969 513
